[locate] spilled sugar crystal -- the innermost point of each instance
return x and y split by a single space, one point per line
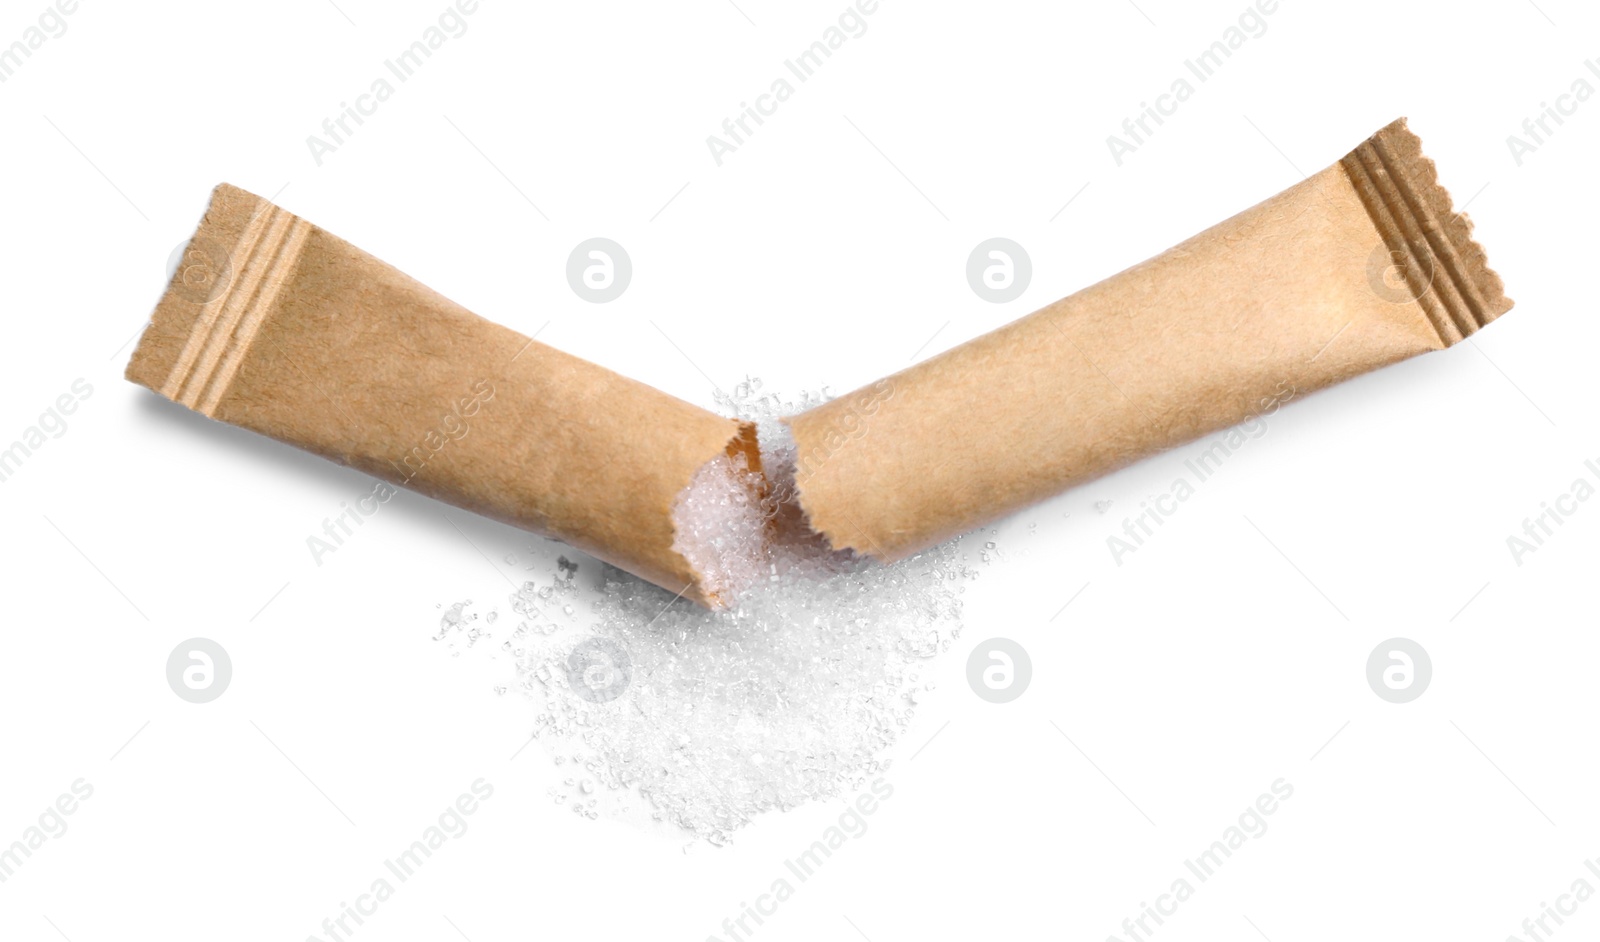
721 526
792 693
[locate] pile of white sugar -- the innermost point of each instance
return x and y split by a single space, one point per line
793 693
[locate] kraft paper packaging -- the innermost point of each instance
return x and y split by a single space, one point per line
1359 266
277 326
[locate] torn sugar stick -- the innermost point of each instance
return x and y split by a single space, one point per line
1362 265
275 325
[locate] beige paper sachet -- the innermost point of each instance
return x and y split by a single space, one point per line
1361 265
277 326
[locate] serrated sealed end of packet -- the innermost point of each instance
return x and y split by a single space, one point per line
1432 257
198 321
1359 266
276 325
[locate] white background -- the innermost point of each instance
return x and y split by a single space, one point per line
1228 652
